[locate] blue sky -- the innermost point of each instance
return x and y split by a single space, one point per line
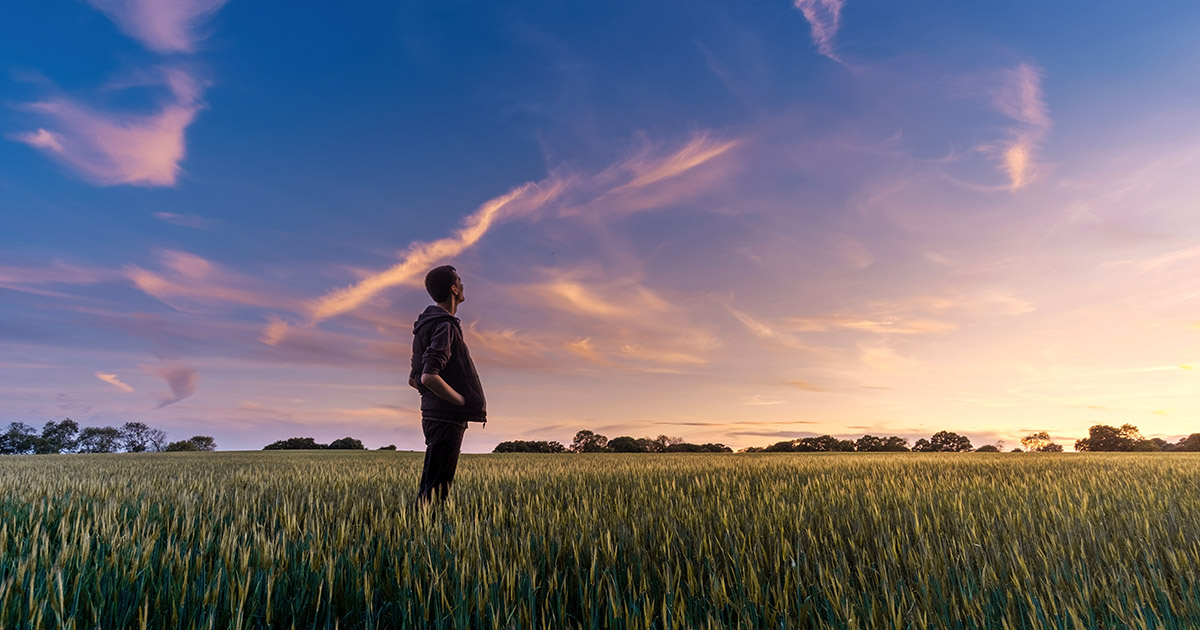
732 223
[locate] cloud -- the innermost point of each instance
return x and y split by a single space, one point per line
189 283
623 186
27 279
112 379
179 378
185 220
164 26
1018 96
110 148
824 18
520 201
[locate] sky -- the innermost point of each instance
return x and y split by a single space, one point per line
727 222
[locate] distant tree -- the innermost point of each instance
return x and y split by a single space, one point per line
868 444
57 437
157 439
19 439
389 447
1189 444
988 448
347 444
531 446
922 446
1018 450
715 448
753 449
1051 448
99 440
684 447
182 445
1035 441
1145 446
787 446
949 442
204 442
294 444
136 437
626 444
664 441
895 444
588 442
1105 438
650 444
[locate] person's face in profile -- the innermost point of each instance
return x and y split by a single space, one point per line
458 289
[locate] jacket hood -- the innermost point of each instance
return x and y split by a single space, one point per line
433 313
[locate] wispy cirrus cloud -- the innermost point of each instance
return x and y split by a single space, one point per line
634 183
113 380
189 282
180 379
111 148
165 26
187 220
824 18
1018 95
520 201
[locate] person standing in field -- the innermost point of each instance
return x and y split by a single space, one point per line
442 370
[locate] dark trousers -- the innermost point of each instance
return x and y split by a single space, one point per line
443 442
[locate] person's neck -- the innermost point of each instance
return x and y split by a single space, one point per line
450 306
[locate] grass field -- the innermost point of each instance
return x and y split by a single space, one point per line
321 539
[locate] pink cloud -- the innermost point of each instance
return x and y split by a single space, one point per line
190 282
163 26
112 148
179 378
824 18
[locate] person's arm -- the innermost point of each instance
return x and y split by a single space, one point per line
442 389
434 359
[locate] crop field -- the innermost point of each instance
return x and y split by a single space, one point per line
324 539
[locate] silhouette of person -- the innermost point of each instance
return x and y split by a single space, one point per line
442 371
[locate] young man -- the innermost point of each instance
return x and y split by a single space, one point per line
442 370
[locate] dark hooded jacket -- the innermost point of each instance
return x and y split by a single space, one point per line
438 348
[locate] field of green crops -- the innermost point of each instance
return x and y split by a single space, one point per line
332 539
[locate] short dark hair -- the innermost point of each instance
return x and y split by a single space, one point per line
438 282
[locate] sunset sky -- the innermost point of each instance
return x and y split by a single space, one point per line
729 222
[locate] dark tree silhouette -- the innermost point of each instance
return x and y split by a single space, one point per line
389 447
204 442
588 442
18 440
57 437
988 448
1104 438
626 444
99 440
182 445
923 446
949 442
533 446
346 444
294 444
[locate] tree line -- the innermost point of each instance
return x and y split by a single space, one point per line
590 442
1101 438
309 444
65 436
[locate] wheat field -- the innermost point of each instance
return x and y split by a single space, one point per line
332 539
